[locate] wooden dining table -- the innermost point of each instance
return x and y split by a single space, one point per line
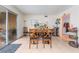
39 34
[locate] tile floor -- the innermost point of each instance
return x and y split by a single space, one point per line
58 46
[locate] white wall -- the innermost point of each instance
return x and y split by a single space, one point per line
20 19
50 20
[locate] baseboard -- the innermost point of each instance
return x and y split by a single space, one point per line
20 37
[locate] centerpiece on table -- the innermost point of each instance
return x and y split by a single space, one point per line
40 26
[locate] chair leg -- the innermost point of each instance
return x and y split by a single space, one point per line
50 43
37 43
30 44
43 44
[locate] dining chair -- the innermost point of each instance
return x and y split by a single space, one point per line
33 37
46 38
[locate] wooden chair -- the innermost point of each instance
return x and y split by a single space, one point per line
46 39
33 37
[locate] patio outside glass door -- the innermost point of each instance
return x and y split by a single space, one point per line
2 27
11 27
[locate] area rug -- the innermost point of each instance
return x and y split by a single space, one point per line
10 48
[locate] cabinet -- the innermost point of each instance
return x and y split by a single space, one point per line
25 31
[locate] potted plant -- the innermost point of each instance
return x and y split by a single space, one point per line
57 23
36 25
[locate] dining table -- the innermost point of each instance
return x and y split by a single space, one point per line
43 35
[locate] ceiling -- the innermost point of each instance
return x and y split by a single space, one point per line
42 9
2 9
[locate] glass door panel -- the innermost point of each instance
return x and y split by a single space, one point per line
2 26
11 27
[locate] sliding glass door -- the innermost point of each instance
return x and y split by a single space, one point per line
7 26
2 26
11 26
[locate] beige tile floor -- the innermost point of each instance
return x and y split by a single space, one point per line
58 46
